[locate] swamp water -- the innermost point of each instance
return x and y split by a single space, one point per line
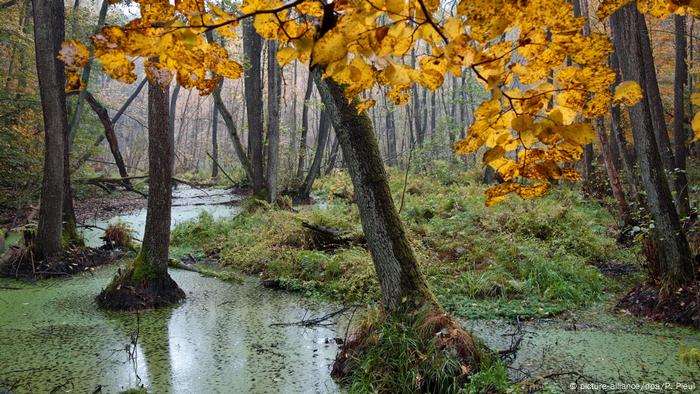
221 339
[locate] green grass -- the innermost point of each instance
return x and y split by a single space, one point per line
521 257
423 353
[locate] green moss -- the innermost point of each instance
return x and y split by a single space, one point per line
521 257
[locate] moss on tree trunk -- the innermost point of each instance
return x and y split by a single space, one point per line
146 283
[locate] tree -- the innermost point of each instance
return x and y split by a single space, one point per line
274 95
252 48
674 253
679 131
48 28
403 286
214 142
146 283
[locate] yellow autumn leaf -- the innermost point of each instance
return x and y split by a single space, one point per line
695 125
628 93
608 7
329 48
286 55
73 54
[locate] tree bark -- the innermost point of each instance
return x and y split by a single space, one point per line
48 25
301 162
171 120
324 128
403 285
613 173
679 131
274 95
146 282
111 137
252 48
674 253
214 141
657 109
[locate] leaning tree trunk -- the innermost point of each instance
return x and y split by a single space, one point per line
48 20
324 129
403 286
274 95
252 47
676 266
146 282
679 132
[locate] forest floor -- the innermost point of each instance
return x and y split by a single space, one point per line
520 258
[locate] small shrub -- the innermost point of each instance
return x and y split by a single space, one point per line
118 236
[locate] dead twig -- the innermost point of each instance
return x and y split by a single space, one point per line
318 321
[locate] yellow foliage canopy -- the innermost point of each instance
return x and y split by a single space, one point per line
543 74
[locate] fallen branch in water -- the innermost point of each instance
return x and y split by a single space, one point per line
222 275
318 321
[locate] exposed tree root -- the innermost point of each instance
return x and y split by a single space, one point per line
426 353
20 263
127 294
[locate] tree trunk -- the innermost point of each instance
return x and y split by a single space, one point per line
171 120
75 119
324 127
403 286
233 133
333 157
657 109
214 141
391 137
48 25
674 254
613 173
111 137
146 282
679 132
301 162
274 95
252 48
79 163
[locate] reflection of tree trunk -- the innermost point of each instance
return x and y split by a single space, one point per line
674 253
48 34
679 132
403 286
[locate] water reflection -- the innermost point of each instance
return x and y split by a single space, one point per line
219 340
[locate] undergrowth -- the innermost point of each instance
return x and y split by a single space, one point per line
427 353
521 257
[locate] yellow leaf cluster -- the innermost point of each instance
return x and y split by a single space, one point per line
543 75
